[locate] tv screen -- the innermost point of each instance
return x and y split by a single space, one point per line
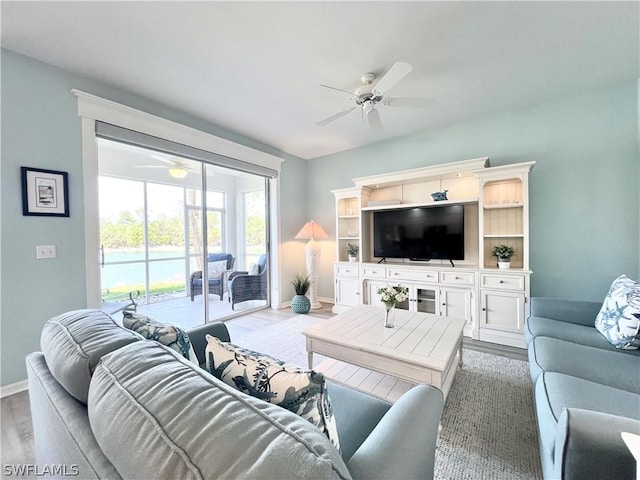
422 233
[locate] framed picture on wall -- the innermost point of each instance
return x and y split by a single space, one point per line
44 192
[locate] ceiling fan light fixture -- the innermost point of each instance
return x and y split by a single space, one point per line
178 172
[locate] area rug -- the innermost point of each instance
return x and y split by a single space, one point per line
282 340
488 423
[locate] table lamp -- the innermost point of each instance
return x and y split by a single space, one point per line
312 231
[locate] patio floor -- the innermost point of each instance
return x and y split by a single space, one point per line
182 312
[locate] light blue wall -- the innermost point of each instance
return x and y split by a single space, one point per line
584 189
41 128
585 206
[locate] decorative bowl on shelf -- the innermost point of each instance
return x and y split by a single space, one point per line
439 196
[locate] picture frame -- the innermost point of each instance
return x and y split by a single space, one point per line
44 192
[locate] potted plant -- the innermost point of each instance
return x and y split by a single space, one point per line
352 251
300 303
504 254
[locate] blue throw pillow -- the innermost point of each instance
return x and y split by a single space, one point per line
619 317
169 335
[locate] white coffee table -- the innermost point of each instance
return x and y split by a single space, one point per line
422 348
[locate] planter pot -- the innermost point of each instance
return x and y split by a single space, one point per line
504 263
300 304
352 258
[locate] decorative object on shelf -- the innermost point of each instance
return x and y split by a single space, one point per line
391 295
300 303
439 196
352 251
504 254
312 231
44 192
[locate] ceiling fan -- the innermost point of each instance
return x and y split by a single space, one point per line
371 94
175 166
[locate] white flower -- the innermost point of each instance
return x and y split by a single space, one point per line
392 295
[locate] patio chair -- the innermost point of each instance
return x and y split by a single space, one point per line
217 272
244 286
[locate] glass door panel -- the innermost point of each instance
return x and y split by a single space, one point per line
426 300
153 211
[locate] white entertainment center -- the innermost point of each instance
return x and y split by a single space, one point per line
494 302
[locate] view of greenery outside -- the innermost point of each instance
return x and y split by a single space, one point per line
122 235
255 225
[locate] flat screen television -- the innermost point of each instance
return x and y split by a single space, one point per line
421 233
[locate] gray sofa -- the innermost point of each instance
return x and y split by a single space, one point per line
586 392
106 403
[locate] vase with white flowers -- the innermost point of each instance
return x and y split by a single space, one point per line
391 295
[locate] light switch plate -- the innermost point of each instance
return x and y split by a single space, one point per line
45 251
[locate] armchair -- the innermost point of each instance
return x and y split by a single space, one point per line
244 287
216 281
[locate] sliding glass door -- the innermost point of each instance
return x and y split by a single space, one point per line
163 239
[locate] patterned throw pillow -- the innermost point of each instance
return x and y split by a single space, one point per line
168 335
216 268
619 317
303 392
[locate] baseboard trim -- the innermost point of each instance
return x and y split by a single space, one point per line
13 388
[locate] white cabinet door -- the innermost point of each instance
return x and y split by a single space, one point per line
372 297
347 291
424 298
502 310
456 302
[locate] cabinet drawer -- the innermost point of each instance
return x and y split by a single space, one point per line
347 271
419 275
502 282
457 278
374 272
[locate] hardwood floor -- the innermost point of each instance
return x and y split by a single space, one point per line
17 430
17 445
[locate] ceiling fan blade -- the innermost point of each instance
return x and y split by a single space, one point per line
163 159
409 102
337 91
335 117
373 116
396 73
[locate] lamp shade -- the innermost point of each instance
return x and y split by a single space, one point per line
311 230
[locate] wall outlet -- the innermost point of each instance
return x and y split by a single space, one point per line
45 251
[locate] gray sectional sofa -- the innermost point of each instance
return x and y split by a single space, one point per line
106 403
586 392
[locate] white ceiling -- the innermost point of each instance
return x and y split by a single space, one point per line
254 67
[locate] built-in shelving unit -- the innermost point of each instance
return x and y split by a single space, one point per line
496 201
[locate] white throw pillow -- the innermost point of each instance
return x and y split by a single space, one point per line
254 269
300 391
619 317
216 268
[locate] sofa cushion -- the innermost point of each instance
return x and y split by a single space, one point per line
189 424
619 318
556 391
356 414
173 337
301 391
589 363
570 332
74 342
